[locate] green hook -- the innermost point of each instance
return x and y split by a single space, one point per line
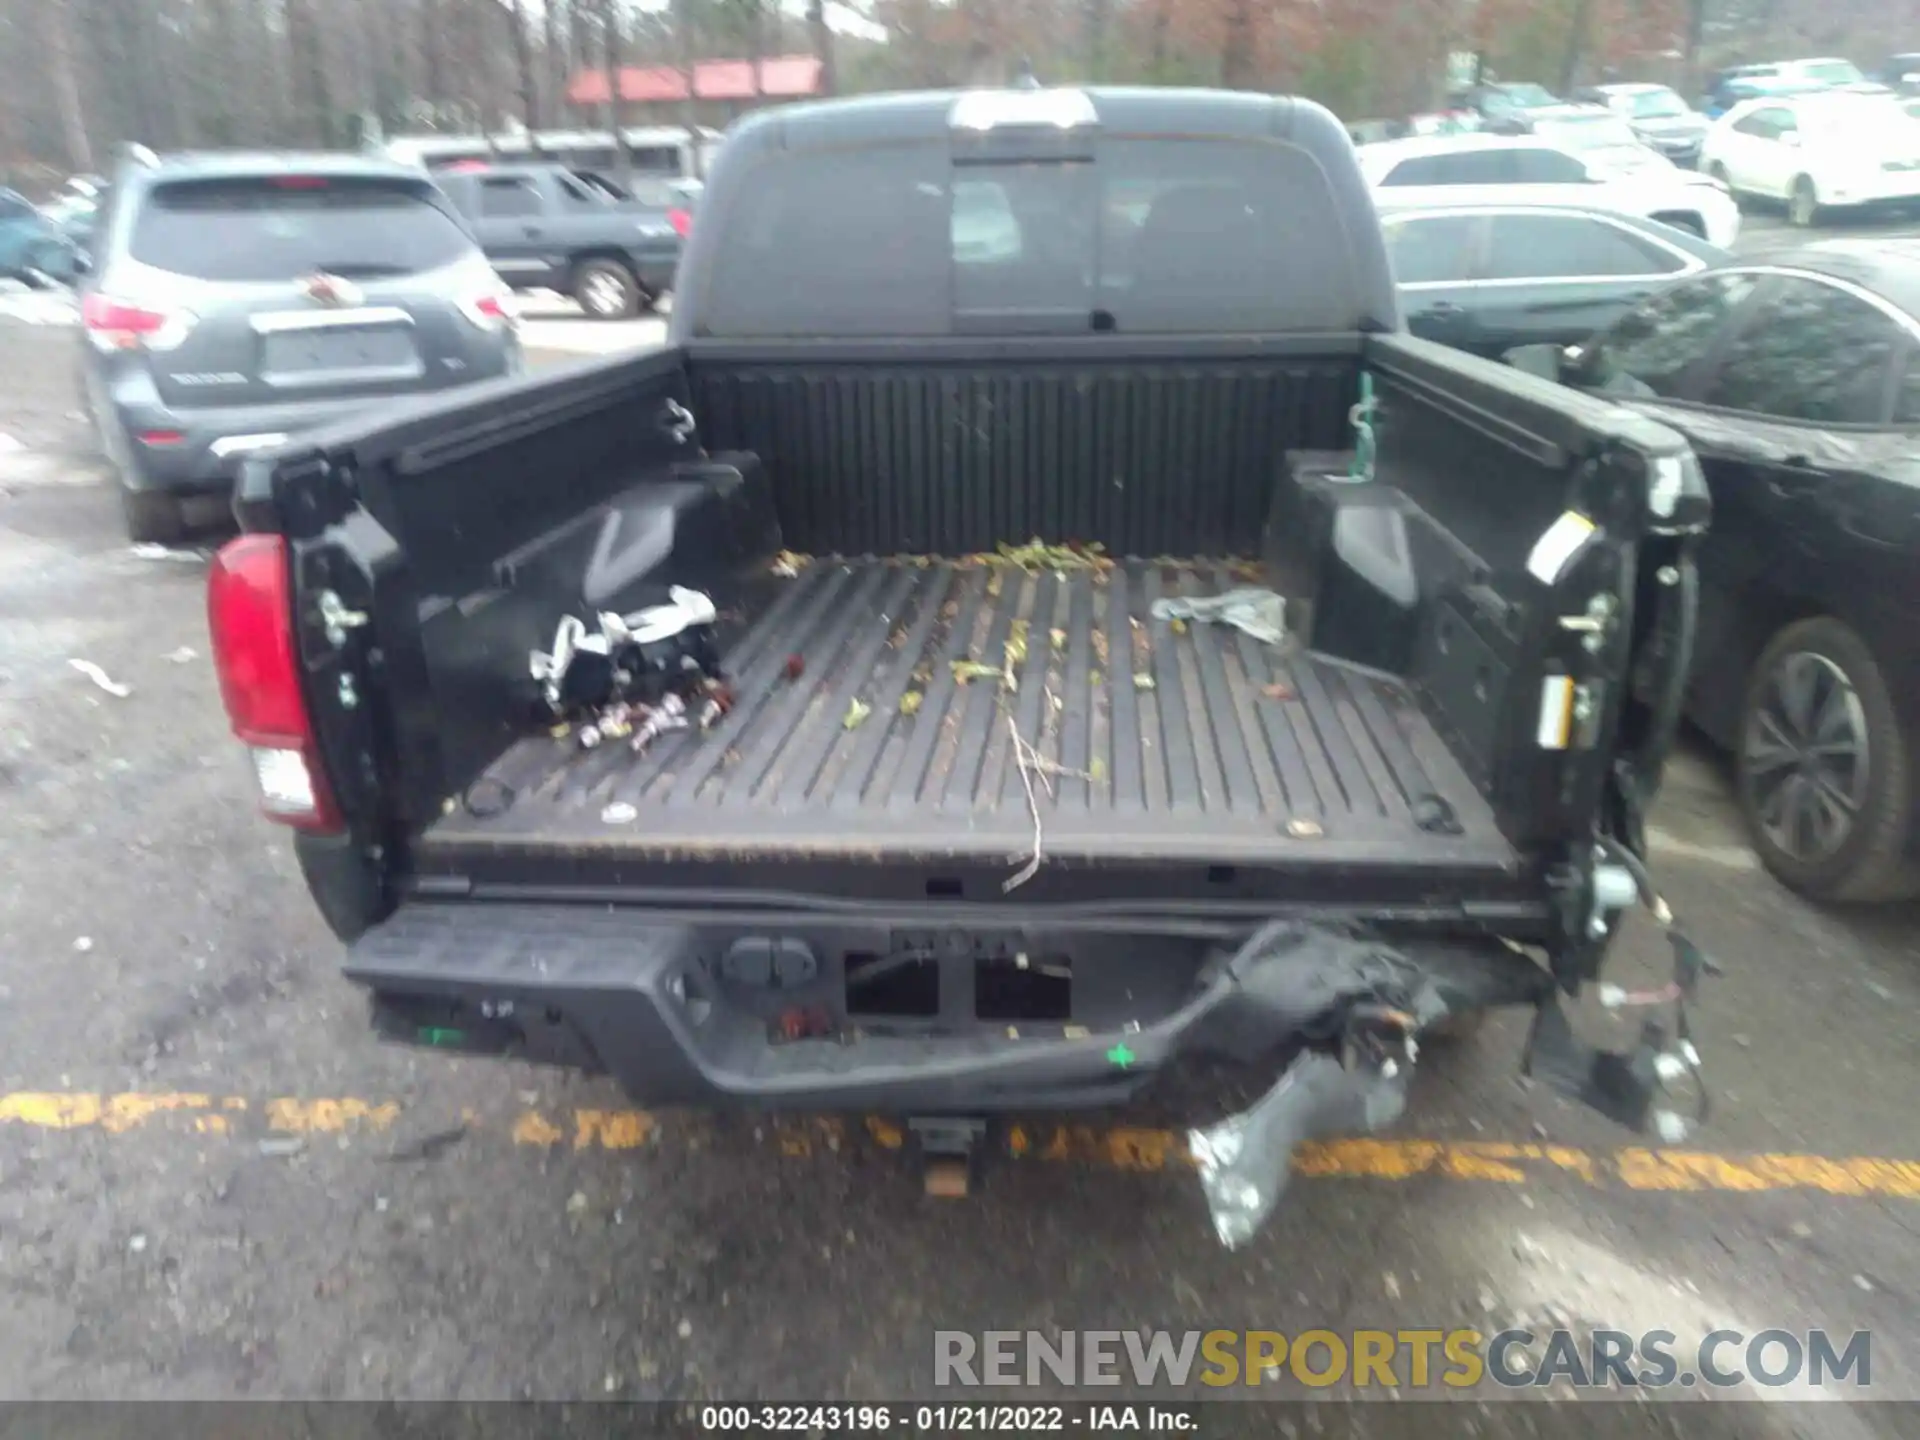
1361 418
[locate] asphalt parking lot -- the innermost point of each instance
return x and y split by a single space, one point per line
213 1183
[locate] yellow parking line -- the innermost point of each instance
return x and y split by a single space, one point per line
1123 1147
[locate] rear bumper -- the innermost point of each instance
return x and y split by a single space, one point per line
1896 187
644 1000
211 440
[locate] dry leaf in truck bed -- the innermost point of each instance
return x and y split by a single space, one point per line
1279 690
789 563
857 711
965 670
1017 644
1143 681
910 702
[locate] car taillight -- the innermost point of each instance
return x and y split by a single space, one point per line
121 325
250 617
681 220
491 309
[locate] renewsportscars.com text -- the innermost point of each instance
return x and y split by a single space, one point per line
1410 1359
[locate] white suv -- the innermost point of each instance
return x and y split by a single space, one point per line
1507 169
1817 151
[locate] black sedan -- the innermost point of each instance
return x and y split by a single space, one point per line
1797 381
1487 278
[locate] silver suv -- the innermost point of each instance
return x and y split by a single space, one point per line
234 300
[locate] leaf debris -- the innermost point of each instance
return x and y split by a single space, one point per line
857 711
1142 680
1279 690
911 701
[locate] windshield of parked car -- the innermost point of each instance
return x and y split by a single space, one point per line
1527 95
284 226
1587 132
1832 72
1655 105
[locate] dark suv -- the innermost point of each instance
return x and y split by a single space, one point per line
234 300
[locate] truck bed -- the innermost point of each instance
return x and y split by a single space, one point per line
1195 743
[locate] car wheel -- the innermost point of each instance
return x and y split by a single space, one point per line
606 290
1803 204
1823 767
153 517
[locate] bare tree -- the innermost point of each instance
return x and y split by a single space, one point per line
516 18
55 22
686 48
556 49
822 36
1096 13
610 63
1236 52
756 41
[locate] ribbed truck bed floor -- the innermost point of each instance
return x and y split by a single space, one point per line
1155 740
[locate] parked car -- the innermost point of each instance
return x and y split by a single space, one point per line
1797 382
580 232
234 300
811 903
1756 87
1902 73
1658 116
1829 71
1525 169
1488 278
1507 107
33 250
1817 153
1598 136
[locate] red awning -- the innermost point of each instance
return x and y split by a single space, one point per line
783 77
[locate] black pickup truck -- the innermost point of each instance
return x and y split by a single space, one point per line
1005 812
552 227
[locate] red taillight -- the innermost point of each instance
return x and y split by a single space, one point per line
250 616
681 220
162 438
490 309
298 182
120 325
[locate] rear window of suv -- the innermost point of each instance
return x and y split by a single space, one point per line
282 227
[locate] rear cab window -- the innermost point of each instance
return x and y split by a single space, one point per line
280 227
1149 235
